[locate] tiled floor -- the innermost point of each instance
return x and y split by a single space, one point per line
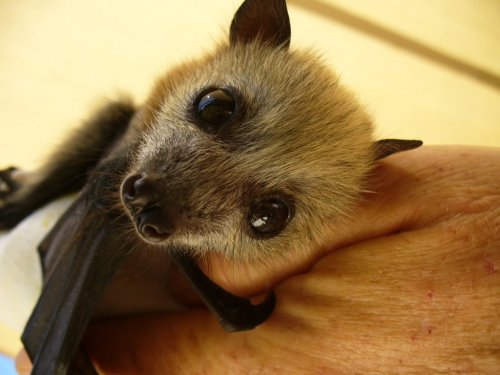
426 69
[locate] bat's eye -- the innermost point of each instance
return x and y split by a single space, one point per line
215 108
269 217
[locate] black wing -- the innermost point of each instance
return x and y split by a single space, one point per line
83 253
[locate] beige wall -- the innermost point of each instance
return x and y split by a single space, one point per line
425 68
58 58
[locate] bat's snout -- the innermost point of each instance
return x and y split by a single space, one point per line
141 196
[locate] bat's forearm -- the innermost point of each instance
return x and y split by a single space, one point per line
67 169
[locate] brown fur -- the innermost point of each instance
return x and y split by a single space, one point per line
302 134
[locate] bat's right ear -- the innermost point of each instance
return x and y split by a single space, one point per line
266 21
387 147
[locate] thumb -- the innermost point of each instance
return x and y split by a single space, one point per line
23 363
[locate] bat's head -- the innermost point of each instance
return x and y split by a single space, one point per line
250 150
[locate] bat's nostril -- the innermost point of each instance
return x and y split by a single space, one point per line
128 188
154 225
139 191
150 231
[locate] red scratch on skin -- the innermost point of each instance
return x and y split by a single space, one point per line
490 268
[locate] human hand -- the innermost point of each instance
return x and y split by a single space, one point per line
409 285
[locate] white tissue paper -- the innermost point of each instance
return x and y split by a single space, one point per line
20 267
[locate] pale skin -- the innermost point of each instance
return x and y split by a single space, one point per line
410 285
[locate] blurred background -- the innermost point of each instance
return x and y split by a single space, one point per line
425 69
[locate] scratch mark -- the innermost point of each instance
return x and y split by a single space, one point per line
490 267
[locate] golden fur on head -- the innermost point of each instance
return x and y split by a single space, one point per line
296 138
301 134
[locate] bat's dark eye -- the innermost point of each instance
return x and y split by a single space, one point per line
215 108
269 217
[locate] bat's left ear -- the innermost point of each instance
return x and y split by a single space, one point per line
266 21
387 147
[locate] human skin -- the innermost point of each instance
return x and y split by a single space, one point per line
409 285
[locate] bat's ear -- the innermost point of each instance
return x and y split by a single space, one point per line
387 147
263 20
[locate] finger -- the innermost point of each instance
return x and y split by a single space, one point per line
193 342
420 297
413 189
23 363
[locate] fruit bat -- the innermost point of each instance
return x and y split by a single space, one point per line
246 152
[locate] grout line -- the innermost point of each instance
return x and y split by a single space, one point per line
387 35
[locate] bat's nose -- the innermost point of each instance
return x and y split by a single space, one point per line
141 195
